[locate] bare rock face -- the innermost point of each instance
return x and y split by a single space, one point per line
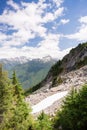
73 79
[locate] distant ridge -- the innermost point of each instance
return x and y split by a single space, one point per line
29 71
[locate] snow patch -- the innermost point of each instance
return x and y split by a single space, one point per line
48 101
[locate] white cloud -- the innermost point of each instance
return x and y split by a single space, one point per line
81 34
83 19
52 16
49 46
2 37
27 21
64 21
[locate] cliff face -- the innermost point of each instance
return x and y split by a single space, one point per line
76 59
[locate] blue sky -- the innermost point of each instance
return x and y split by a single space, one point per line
39 28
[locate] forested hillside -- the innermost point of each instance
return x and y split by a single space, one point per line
32 72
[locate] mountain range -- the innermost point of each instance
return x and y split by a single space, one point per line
29 71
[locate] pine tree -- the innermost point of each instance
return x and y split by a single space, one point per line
22 118
15 114
43 122
73 115
18 91
5 98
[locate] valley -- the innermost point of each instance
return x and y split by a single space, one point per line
29 71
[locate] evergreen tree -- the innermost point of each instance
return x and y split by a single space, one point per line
22 118
5 98
73 115
15 114
43 122
18 91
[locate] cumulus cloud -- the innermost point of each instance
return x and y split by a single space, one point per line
64 21
81 34
26 21
47 47
34 52
83 19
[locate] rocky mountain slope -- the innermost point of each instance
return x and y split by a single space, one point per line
74 79
65 75
76 59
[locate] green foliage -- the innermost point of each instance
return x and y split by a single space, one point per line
43 122
5 94
54 82
18 91
59 80
15 114
57 69
21 118
73 115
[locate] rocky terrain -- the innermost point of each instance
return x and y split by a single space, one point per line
66 74
73 79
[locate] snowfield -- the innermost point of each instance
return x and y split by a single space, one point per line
48 101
